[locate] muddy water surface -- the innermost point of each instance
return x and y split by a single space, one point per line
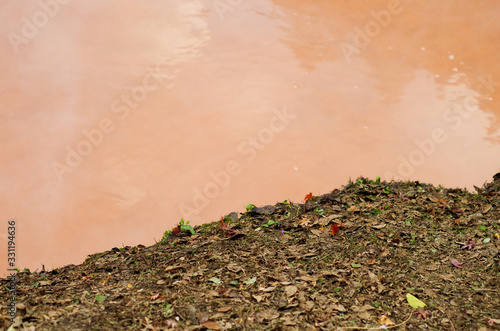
118 118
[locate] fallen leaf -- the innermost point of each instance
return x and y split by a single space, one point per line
317 232
335 229
171 323
486 208
424 314
224 309
214 280
155 296
308 196
379 226
211 325
290 290
100 298
339 308
365 315
494 321
384 320
414 302
250 281
470 245
267 289
259 298
456 264
311 279
309 305
431 267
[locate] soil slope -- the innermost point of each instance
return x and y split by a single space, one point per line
341 261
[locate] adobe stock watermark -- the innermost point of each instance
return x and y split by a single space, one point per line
248 148
121 107
460 110
364 36
31 26
223 6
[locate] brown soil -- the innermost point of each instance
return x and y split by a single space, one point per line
281 268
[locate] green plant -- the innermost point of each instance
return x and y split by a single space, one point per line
319 211
269 223
182 226
249 207
167 310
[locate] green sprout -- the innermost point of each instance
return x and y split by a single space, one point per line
183 226
249 207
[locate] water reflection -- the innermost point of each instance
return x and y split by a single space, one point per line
116 126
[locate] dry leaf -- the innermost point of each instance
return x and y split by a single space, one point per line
316 232
211 325
384 320
224 309
290 290
311 279
431 267
339 308
309 305
379 226
486 208
259 298
365 315
267 289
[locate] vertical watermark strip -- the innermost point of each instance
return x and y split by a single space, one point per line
11 262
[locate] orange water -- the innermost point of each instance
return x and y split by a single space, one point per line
121 117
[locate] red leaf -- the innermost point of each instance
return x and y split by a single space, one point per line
308 197
335 228
469 245
456 264
424 314
176 231
156 296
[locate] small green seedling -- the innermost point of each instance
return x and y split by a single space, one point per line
269 223
182 226
249 207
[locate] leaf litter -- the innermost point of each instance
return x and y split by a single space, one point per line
355 258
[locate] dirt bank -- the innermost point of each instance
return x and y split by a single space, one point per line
343 260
